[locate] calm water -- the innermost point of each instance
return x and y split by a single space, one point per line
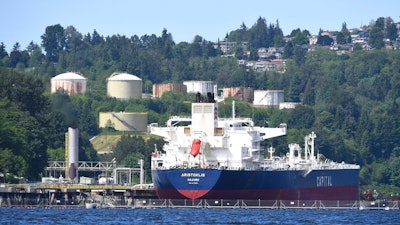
197 216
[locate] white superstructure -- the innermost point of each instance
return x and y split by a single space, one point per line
232 143
206 141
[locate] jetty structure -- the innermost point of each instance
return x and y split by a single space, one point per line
66 196
64 186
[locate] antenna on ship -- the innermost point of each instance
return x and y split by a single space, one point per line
233 109
271 151
312 136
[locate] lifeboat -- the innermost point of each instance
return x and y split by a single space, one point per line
195 147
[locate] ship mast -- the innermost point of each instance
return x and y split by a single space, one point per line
309 141
271 151
233 110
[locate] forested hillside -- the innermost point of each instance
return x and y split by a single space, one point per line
351 101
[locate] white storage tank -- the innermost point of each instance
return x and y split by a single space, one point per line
124 86
69 83
288 105
203 87
268 97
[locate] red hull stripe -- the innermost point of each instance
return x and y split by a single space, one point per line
193 194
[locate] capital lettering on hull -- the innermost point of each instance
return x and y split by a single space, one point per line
324 181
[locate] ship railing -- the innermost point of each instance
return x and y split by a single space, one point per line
335 166
174 120
238 128
237 119
179 117
264 167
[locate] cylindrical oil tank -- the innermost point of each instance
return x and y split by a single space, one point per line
268 97
69 83
242 93
203 87
73 153
288 105
159 89
124 121
124 86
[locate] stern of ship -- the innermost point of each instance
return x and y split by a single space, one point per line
184 183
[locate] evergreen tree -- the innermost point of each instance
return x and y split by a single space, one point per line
344 36
3 55
325 40
259 34
300 37
15 55
53 41
278 36
239 35
167 44
391 30
376 34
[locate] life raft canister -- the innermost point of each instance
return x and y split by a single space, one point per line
195 147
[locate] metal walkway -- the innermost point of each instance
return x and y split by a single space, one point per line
57 168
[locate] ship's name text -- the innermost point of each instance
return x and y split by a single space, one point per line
324 181
193 178
193 175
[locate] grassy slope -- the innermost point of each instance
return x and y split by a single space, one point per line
105 142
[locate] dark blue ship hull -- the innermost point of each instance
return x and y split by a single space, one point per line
321 184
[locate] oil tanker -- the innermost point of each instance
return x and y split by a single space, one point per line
207 157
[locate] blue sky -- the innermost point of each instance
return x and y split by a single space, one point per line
26 20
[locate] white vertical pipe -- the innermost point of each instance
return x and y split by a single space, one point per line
73 153
141 172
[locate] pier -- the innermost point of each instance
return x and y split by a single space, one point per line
78 195
144 196
116 188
